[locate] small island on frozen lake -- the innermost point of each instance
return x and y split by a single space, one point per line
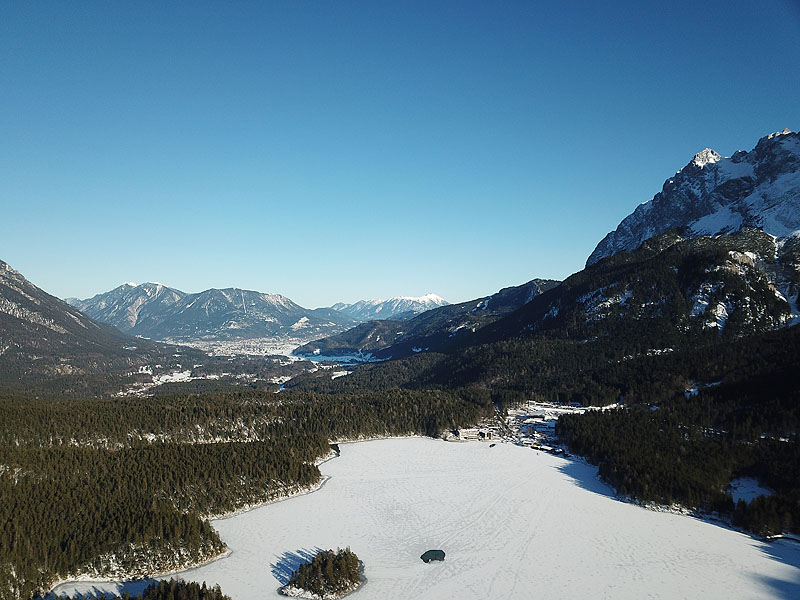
327 576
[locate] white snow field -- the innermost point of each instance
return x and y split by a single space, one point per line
514 523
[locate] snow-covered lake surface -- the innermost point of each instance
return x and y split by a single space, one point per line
514 522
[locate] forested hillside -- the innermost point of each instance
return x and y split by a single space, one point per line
657 315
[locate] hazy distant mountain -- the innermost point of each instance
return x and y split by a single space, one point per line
429 330
714 195
405 306
155 311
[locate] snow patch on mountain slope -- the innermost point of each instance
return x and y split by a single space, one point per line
776 205
599 303
300 324
719 316
723 220
748 489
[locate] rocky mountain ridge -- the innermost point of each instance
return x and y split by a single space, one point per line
714 195
672 295
43 339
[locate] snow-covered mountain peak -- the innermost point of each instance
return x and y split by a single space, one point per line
786 131
705 157
713 195
367 310
431 298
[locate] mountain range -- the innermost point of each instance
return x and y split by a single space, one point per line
159 312
42 337
673 270
718 250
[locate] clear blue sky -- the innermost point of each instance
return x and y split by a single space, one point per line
341 150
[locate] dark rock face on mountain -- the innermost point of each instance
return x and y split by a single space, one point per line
43 338
155 311
429 330
713 195
393 308
36 321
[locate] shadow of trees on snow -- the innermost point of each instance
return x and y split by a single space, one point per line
788 553
288 562
586 477
134 587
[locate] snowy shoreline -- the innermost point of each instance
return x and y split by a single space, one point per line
88 578
189 566
51 593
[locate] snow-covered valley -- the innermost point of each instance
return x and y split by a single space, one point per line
514 522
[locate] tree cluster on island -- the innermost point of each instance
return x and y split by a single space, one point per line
327 575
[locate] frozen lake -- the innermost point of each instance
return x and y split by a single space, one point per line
514 523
